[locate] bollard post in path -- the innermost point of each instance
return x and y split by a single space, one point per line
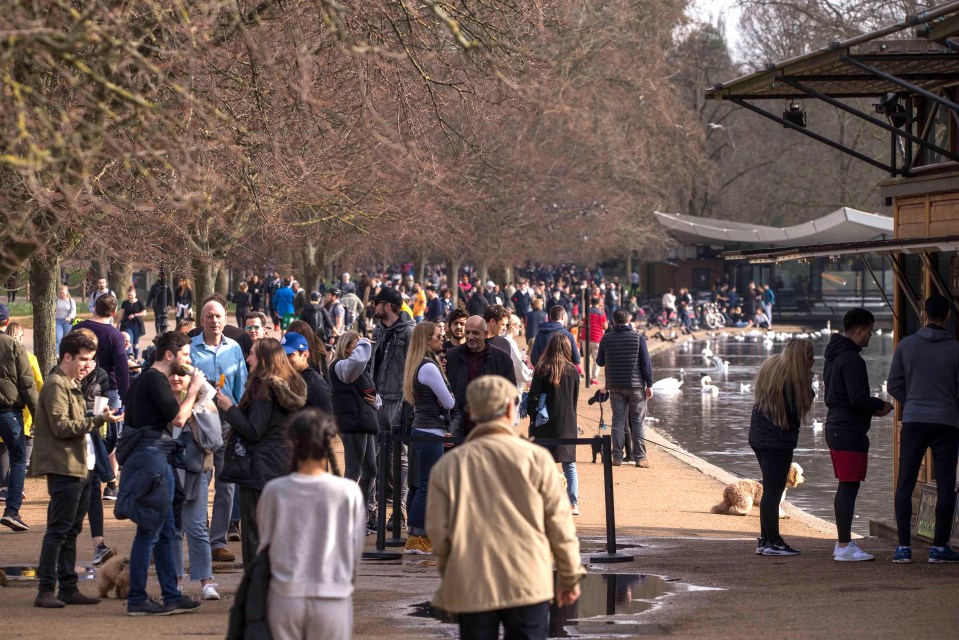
611 554
397 521
383 439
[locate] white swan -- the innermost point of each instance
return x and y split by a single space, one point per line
768 342
744 387
707 352
739 337
815 383
719 364
708 386
878 332
667 385
817 425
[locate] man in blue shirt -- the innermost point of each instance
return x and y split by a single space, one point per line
283 303
216 355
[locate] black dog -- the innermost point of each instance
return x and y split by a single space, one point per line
597 444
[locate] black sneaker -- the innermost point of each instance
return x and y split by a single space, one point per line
110 494
183 604
13 521
779 549
102 553
761 544
233 534
150 607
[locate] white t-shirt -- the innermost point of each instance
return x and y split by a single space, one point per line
669 301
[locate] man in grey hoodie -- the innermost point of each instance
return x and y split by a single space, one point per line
924 380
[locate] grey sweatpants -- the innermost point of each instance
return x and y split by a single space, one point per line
222 504
309 618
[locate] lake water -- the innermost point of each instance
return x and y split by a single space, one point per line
716 427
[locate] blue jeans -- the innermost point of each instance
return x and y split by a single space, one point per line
193 520
428 453
63 328
572 482
11 430
159 543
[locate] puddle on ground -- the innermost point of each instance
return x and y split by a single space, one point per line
26 572
607 607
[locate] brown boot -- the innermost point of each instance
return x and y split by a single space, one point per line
75 597
223 555
46 600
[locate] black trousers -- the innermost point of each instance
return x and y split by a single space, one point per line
914 439
775 467
519 623
69 499
251 539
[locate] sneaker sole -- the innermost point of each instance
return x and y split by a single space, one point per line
16 526
937 561
906 561
415 552
773 554
177 612
141 614
217 597
838 559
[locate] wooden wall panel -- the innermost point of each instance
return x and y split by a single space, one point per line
911 217
943 215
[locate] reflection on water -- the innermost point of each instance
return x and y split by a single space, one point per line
606 607
716 427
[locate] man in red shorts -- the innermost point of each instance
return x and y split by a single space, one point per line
851 409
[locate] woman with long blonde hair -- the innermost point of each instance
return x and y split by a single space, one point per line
426 388
783 398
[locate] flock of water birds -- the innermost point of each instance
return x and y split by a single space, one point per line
715 364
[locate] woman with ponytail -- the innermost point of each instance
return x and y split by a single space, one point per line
313 524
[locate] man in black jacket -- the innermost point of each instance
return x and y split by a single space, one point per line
629 380
318 394
160 299
469 361
850 411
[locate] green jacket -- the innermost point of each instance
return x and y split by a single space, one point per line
59 431
17 386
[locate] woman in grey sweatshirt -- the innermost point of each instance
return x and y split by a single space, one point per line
314 524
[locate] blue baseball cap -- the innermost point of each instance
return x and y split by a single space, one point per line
293 342
4 312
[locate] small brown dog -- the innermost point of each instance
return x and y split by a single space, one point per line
740 496
114 575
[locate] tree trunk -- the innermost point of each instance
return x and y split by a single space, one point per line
120 278
507 274
44 280
484 272
204 283
629 265
421 262
452 278
222 283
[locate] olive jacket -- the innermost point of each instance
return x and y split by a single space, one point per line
60 428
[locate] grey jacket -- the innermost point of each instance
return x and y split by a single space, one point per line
389 357
924 377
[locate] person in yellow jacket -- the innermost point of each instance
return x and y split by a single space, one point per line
497 481
419 303
15 331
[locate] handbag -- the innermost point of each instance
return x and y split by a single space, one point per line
237 459
542 413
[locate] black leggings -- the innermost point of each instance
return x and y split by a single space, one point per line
914 439
845 506
775 467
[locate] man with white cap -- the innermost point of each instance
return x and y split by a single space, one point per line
495 482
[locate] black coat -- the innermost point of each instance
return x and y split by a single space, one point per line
498 363
247 619
624 354
847 396
318 394
561 402
262 423
766 434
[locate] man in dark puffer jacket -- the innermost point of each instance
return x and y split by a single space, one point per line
629 379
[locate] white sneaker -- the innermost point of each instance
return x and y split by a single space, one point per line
851 553
209 591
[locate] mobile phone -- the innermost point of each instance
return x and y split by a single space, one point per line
119 411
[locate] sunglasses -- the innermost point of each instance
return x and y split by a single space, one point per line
251 327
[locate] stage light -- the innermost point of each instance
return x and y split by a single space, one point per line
891 107
795 114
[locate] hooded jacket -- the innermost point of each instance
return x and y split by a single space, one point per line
545 332
924 377
261 423
847 395
18 389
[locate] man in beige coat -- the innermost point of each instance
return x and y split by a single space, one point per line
498 515
62 452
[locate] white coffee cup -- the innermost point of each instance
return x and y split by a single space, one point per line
99 404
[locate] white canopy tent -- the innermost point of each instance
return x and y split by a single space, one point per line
840 226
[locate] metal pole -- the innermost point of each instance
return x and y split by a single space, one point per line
611 554
929 95
382 460
397 540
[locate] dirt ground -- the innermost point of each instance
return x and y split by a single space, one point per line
662 517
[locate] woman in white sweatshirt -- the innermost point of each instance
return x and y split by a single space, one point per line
314 523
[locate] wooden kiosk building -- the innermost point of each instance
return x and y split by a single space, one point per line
910 72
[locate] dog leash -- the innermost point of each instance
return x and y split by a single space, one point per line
647 441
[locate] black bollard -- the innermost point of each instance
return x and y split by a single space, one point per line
611 555
397 540
585 332
384 440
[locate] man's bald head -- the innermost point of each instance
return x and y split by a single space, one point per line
212 319
475 333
